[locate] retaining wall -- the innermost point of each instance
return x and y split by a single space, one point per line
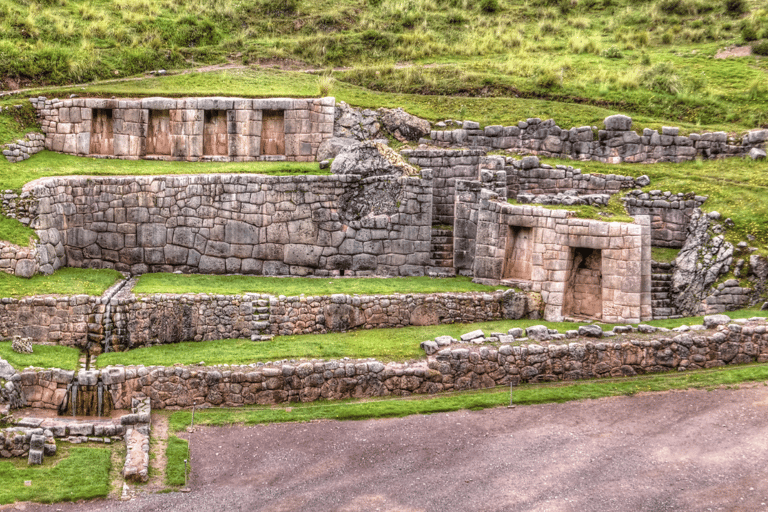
616 144
450 369
191 129
249 224
670 214
22 149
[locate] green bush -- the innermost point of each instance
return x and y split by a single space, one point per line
749 31
613 53
761 48
735 7
489 6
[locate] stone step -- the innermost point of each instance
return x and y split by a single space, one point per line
659 296
442 247
665 312
661 266
436 271
442 240
442 232
661 277
660 304
442 263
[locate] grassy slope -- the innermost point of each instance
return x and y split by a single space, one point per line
44 356
237 285
398 344
65 281
73 474
526 394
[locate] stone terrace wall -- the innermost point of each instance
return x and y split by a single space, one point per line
624 249
617 143
63 320
22 149
250 224
670 214
450 369
447 166
122 128
529 176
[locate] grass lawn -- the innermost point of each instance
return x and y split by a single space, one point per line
398 344
15 232
75 473
176 452
48 163
65 281
44 356
290 286
526 394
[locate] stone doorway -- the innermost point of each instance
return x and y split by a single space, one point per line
584 287
272 132
102 134
215 141
517 260
159 133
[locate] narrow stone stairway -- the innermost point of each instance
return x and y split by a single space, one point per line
441 253
661 298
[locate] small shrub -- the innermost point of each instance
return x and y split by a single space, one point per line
645 59
735 7
612 53
489 6
667 37
661 78
325 85
547 78
749 32
761 48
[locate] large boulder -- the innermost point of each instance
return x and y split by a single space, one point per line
355 123
371 158
404 126
701 261
329 148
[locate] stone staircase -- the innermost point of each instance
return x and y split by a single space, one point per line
661 299
441 253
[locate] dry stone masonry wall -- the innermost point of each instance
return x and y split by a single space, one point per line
250 224
191 129
616 144
22 149
452 368
670 214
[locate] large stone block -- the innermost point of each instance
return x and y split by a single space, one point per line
304 255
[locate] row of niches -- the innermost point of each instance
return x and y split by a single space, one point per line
215 137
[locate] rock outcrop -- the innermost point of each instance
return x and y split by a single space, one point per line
372 158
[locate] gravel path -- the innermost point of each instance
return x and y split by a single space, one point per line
691 450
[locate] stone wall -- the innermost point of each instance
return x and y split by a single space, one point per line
670 214
249 224
191 129
551 243
22 149
447 166
454 368
62 320
19 261
616 144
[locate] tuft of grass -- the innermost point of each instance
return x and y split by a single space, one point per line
80 473
11 230
44 356
288 286
527 394
176 451
65 281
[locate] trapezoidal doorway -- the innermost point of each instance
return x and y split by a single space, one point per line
272 132
517 260
159 133
215 142
584 287
102 132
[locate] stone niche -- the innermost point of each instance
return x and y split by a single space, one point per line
159 133
273 133
215 140
517 259
584 287
102 132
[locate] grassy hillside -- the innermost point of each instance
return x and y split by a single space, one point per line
653 57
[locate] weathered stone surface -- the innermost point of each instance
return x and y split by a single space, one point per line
591 331
404 126
711 321
371 159
330 148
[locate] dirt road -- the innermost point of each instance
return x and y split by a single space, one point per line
692 450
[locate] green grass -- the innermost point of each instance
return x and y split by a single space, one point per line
397 344
292 286
47 163
44 356
65 281
76 473
176 452
13 231
664 254
526 394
